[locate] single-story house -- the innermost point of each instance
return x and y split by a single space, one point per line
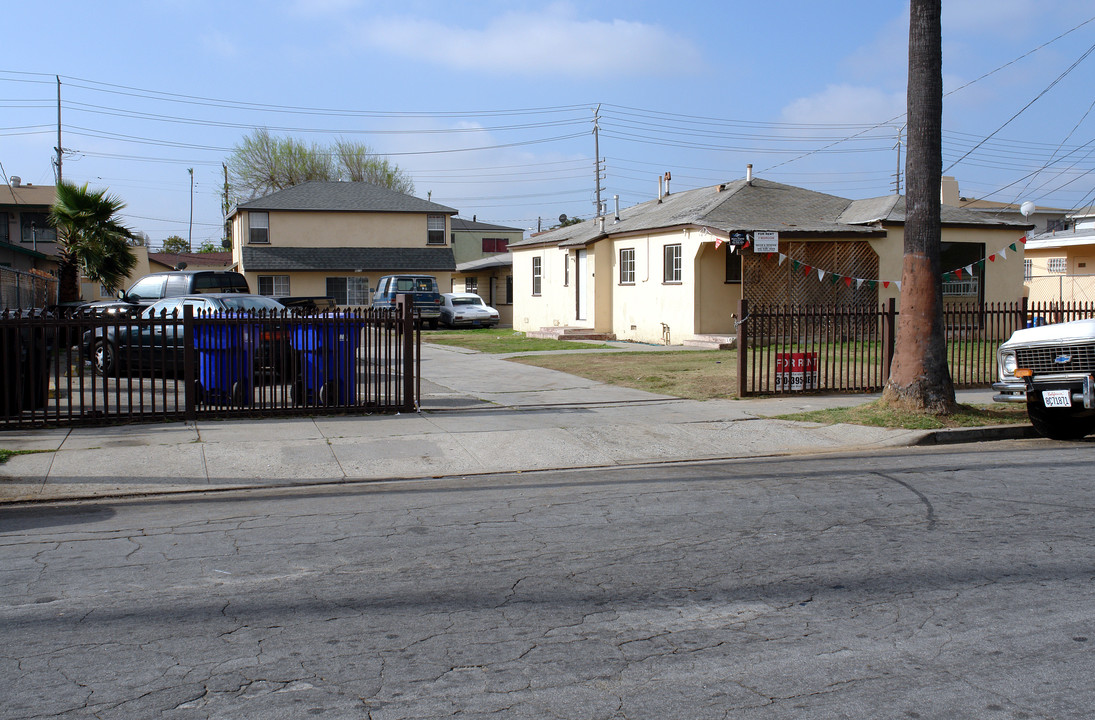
676 266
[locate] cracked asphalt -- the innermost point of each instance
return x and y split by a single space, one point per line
904 583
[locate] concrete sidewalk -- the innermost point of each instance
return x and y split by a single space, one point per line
480 414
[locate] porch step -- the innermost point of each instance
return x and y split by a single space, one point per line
569 333
712 342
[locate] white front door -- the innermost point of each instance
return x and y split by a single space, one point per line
580 285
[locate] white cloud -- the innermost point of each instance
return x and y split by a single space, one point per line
846 105
219 44
552 41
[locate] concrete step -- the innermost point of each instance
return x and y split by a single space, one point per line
569 333
712 342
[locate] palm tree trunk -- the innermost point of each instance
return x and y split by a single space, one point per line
919 377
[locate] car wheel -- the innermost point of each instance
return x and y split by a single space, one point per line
241 394
1059 424
104 358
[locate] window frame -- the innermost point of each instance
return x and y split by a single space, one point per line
343 296
1057 265
274 281
435 235
627 266
672 269
537 276
43 231
264 237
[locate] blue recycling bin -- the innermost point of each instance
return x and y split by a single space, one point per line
225 363
328 360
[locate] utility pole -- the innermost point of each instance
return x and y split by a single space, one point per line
226 207
59 153
597 168
190 233
897 176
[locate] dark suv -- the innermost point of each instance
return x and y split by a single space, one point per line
173 283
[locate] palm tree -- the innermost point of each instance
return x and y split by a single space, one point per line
91 239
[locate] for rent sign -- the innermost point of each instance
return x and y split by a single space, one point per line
796 371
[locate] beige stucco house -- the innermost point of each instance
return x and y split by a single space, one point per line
483 262
337 239
27 239
1060 265
675 267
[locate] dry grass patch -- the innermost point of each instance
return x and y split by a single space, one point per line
692 374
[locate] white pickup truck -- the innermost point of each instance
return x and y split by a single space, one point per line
1052 369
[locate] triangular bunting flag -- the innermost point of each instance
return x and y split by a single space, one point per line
1011 247
848 282
768 256
806 269
872 284
858 283
782 257
886 283
957 273
833 279
898 284
795 265
969 269
1004 254
1023 239
820 274
747 244
992 258
718 243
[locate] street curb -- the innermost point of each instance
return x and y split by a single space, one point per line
956 436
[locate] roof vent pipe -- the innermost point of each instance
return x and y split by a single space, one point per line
749 174
668 177
616 199
659 188
16 181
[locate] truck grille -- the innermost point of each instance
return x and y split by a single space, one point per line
1043 360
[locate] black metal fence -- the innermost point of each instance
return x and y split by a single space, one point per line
844 348
82 370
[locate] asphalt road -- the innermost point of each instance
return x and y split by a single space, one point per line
925 583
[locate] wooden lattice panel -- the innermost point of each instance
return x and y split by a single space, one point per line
766 282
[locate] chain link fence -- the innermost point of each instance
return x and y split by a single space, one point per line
26 289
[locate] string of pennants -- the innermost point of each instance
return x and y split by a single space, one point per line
834 278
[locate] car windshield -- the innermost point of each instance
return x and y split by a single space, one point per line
251 304
466 301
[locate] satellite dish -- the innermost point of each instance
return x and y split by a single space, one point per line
1026 208
563 218
181 266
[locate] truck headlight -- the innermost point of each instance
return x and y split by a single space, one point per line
1008 362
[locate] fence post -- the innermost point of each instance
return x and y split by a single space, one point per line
1025 308
891 338
190 384
743 344
406 311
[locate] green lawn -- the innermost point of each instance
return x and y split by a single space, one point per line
501 340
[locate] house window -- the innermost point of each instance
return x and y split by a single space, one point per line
276 285
36 228
435 229
471 285
348 290
537 275
4 229
1056 225
733 266
671 270
1057 265
509 289
566 269
1028 269
627 266
260 227
495 245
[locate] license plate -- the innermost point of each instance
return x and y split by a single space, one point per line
1057 398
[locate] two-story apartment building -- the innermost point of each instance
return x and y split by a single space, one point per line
336 239
483 263
27 239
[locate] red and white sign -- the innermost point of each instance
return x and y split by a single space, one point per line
796 371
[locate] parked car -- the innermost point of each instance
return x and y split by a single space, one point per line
422 289
1051 368
171 284
158 346
466 310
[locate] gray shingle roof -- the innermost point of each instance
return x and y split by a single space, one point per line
256 259
344 197
761 205
465 225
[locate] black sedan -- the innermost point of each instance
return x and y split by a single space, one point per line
154 342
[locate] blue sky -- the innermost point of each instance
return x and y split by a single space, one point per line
489 105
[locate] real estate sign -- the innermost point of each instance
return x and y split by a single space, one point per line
765 242
796 371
